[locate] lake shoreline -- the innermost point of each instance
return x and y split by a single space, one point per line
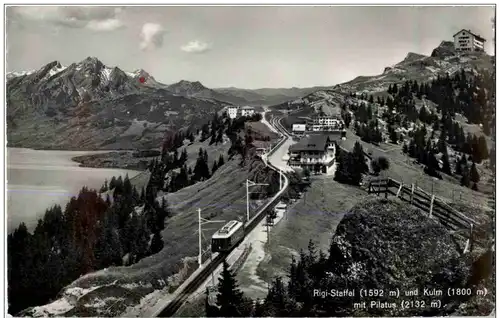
38 179
127 159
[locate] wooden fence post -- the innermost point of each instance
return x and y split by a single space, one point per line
412 190
470 236
399 190
466 246
386 188
432 203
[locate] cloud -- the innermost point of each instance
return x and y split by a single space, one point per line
93 18
151 36
104 25
195 47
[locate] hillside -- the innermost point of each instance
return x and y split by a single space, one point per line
240 96
197 90
88 105
268 96
414 67
443 60
110 291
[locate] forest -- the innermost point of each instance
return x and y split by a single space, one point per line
91 233
293 296
471 95
115 226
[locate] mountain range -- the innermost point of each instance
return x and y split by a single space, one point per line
88 105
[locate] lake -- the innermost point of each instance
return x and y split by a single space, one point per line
38 179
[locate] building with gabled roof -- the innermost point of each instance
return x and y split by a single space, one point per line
316 152
466 41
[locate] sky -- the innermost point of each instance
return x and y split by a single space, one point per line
245 47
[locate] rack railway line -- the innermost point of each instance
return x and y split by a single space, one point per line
169 308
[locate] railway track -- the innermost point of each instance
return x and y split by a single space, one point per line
169 309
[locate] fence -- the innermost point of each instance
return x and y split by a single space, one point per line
429 204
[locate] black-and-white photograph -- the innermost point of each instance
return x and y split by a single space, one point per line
249 160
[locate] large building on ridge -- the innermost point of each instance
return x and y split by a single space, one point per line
466 41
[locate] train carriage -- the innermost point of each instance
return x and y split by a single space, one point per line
228 236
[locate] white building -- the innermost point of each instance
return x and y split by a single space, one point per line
326 123
247 111
299 128
315 152
232 112
236 111
466 41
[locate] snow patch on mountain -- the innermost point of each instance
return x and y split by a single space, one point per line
106 73
18 74
55 70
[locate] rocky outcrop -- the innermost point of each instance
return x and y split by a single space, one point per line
446 48
391 246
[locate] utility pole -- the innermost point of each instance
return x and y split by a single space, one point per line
267 227
249 184
200 233
199 238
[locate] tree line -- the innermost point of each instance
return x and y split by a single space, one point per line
436 159
89 234
181 175
468 94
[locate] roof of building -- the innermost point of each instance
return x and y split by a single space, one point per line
247 107
469 31
316 142
228 229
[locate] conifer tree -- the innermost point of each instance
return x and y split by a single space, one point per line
156 243
127 186
446 163
183 157
277 300
474 174
465 181
221 161
229 298
482 148
214 167
359 157
492 159
112 183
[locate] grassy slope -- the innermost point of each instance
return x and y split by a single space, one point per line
222 197
402 169
315 216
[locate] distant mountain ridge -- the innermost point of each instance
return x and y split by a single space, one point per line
415 67
88 105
